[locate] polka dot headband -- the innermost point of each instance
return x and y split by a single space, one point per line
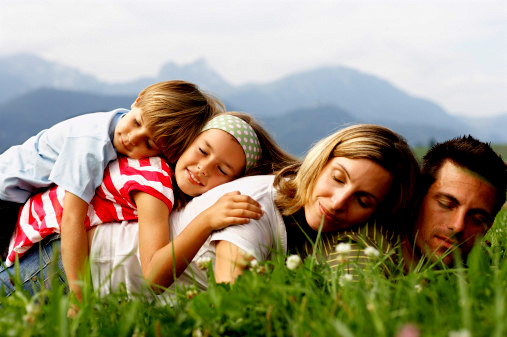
242 131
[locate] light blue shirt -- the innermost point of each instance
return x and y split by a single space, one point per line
72 154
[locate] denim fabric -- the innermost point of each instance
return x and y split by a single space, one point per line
36 266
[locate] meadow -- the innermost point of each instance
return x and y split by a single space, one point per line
310 300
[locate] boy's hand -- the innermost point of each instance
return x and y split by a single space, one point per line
232 208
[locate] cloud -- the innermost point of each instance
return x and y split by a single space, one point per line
451 51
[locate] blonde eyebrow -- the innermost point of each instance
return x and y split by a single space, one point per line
361 192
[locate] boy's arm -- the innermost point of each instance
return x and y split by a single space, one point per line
74 242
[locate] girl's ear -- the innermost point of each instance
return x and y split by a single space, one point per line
137 100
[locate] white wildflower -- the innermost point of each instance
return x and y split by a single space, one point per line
191 292
197 333
460 333
254 263
371 252
293 262
203 262
418 288
370 307
343 248
345 278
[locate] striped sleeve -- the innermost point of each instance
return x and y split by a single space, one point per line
39 217
113 200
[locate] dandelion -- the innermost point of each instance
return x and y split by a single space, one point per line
371 252
345 278
460 333
293 262
343 248
203 262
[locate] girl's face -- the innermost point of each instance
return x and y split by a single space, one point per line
214 158
346 193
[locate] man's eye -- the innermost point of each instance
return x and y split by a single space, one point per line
444 204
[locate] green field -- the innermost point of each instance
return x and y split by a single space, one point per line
307 301
501 149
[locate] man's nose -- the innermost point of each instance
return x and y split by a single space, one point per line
457 222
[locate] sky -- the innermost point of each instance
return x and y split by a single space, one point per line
451 52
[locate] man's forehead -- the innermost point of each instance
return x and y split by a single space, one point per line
464 185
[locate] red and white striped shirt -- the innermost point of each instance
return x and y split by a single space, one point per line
42 213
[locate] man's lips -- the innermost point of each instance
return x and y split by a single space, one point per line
445 242
193 179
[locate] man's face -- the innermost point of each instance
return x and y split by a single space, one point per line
456 211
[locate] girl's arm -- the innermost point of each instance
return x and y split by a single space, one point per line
230 261
163 260
74 244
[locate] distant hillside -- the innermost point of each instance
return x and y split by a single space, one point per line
26 115
363 97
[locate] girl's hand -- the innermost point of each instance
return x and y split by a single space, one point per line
232 208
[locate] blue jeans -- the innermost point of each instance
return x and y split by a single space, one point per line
41 263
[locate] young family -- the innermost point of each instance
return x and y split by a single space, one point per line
161 180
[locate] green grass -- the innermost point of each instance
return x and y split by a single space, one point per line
308 301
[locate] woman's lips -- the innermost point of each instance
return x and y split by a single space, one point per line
326 214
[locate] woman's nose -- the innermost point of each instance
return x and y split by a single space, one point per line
340 200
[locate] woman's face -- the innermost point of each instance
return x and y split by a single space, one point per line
214 158
346 193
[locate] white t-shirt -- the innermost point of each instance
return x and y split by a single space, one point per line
114 254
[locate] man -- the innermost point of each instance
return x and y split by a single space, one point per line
463 182
461 189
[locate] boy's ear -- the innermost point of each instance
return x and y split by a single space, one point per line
134 104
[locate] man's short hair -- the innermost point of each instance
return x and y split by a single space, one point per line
471 154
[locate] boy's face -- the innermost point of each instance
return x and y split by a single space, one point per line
214 158
132 138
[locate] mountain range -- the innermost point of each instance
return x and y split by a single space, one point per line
298 109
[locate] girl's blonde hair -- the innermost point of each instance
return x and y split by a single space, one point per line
295 183
175 112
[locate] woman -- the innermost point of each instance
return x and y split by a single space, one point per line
358 174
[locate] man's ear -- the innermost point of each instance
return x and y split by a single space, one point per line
137 100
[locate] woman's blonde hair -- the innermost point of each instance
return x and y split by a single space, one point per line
295 183
175 112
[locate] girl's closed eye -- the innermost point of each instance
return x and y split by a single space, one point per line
222 171
202 151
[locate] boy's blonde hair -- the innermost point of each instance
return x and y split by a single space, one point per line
295 184
175 112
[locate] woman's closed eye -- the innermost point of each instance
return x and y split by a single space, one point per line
365 201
